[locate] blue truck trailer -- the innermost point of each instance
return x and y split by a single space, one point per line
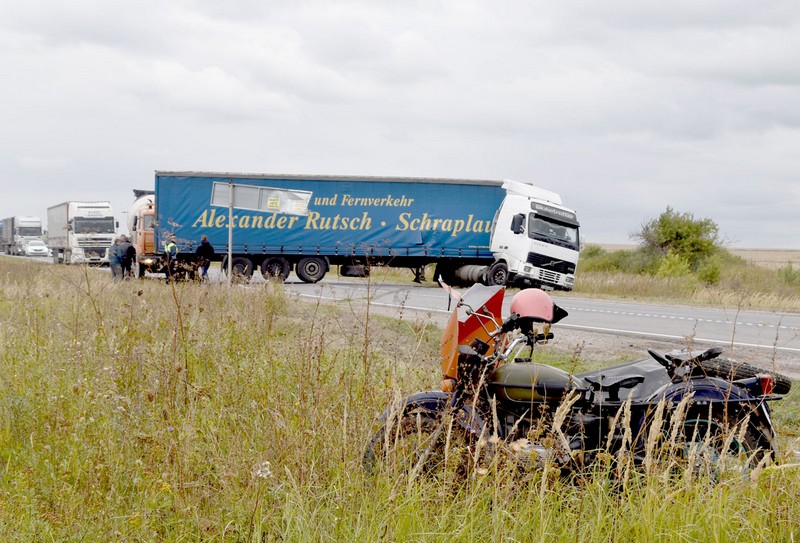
277 224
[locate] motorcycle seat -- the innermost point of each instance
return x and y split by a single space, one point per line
612 388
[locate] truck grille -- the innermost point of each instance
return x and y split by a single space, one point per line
95 242
550 264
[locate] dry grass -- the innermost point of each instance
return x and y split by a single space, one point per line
145 412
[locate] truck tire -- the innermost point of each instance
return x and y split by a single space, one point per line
241 269
727 369
497 274
276 267
311 269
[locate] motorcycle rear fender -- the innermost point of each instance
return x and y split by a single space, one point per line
705 390
710 390
435 402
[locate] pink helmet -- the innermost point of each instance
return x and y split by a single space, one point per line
537 305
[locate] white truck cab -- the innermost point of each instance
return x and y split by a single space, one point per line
535 239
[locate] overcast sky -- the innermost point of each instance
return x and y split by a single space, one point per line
623 107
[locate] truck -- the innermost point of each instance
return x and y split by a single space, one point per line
18 231
81 231
474 230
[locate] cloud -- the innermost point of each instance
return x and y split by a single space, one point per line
624 107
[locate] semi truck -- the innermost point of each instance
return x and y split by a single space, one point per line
18 231
474 230
80 232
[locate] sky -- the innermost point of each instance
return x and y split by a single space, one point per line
623 107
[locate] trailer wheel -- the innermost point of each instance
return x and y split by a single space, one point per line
497 274
311 269
241 269
276 267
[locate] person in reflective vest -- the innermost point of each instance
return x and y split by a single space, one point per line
171 254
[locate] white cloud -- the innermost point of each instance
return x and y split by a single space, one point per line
623 107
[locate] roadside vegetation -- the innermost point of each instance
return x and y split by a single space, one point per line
139 411
683 259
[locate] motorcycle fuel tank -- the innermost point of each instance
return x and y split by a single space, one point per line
528 382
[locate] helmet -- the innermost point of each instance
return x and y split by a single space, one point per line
533 303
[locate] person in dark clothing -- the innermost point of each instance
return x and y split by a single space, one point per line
115 261
205 253
128 252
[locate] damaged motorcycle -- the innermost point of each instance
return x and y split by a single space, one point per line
697 410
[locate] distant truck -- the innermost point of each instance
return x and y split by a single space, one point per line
18 230
489 231
79 232
141 217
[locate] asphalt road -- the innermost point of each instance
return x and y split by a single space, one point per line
776 331
744 328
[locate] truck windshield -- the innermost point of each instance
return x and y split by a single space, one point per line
29 231
100 225
553 232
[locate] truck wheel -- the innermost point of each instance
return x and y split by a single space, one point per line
311 269
241 269
141 270
497 274
276 267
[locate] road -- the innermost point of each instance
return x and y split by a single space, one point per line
743 328
774 331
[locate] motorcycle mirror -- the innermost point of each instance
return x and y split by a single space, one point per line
558 314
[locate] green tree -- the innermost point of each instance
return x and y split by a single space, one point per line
681 235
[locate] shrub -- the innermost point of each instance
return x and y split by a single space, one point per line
709 271
679 233
673 265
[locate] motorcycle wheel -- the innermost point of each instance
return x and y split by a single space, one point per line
717 447
727 369
420 442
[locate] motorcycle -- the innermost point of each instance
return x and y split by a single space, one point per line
496 401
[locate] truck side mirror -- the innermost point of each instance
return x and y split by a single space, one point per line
517 223
133 225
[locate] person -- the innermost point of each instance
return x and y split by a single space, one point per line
115 261
171 253
205 252
128 254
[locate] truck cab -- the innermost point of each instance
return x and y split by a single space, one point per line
535 240
141 225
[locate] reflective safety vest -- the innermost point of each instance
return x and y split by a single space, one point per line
170 248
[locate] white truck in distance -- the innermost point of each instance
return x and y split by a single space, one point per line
80 232
18 231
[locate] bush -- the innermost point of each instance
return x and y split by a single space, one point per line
673 265
679 233
709 271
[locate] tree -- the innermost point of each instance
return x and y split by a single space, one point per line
681 235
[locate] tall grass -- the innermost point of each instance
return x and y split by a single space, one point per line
140 411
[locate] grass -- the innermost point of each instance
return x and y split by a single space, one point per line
140 411
736 283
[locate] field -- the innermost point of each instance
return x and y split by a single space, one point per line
140 411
